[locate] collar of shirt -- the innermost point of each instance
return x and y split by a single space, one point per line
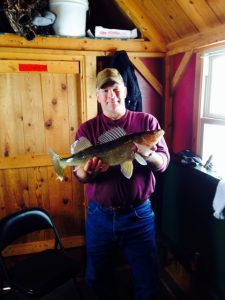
114 123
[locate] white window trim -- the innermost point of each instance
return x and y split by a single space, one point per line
196 134
198 118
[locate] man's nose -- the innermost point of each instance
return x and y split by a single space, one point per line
111 93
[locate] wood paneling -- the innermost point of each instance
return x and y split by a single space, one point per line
201 14
169 18
177 25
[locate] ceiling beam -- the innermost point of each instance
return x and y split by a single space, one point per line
213 37
147 74
181 69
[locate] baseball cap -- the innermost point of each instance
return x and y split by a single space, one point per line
108 74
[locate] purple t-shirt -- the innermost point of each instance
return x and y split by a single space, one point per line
112 188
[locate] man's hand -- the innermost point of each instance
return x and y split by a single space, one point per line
145 152
91 169
153 158
95 166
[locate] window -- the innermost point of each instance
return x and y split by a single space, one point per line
211 135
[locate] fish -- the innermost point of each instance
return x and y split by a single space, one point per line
114 147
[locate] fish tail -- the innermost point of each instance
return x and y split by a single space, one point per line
58 166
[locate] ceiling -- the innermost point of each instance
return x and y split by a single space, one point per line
171 23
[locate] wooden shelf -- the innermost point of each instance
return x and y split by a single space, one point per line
80 44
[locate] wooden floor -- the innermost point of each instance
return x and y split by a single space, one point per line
169 288
167 291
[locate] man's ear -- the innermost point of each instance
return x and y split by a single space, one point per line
97 96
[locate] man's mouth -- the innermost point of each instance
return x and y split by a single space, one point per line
113 102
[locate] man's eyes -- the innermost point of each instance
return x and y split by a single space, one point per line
111 90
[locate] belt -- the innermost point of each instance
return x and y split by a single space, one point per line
123 208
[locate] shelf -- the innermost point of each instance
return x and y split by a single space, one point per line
80 44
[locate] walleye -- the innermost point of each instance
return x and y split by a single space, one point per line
114 147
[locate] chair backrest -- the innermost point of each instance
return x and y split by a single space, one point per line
23 222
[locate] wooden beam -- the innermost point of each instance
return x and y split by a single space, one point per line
139 17
27 161
90 86
168 105
32 247
180 71
146 73
45 54
141 54
213 37
69 43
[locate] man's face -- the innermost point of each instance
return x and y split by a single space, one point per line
112 99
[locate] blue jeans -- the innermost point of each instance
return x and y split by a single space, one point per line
134 232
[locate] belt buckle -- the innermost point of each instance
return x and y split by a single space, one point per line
121 209
114 208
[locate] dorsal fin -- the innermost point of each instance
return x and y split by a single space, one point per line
80 144
111 135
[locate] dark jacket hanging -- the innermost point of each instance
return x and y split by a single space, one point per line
121 62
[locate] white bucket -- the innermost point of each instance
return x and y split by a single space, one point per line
70 17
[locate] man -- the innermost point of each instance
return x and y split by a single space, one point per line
119 209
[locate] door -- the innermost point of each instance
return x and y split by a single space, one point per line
41 107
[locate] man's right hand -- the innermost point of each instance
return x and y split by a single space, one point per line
91 169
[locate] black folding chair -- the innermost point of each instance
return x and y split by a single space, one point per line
39 273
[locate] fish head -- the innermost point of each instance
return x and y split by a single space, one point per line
151 138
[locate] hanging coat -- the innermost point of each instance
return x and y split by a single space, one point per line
121 62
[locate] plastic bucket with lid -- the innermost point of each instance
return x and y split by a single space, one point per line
70 17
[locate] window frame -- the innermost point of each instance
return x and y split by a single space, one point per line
201 113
